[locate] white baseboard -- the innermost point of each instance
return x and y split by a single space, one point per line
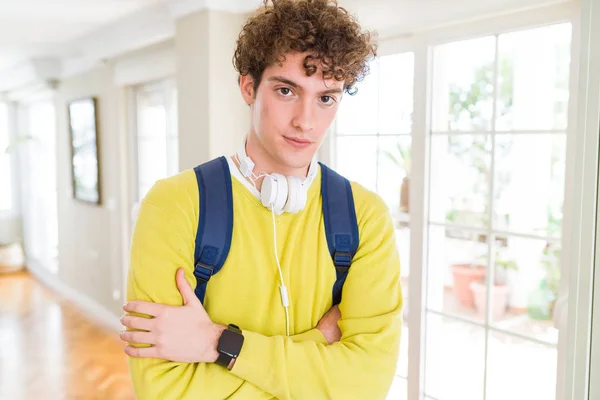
91 308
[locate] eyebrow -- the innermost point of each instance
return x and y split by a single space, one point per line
296 86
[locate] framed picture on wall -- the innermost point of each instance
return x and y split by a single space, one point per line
84 150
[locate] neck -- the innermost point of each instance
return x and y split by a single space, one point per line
265 163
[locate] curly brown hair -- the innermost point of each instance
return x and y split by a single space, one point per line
325 30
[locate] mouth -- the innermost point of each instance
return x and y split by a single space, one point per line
297 142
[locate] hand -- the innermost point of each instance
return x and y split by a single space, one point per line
328 325
175 333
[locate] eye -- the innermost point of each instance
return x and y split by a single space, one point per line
284 91
327 100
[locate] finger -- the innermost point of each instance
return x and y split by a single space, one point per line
136 337
185 289
145 324
141 352
144 307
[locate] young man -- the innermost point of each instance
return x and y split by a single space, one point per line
296 59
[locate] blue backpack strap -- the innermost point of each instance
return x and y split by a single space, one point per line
215 223
341 228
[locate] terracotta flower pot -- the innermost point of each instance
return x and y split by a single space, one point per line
499 299
463 276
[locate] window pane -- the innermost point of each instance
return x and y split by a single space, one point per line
533 78
172 132
157 147
527 278
393 177
460 174
518 369
358 113
152 159
356 159
454 359
4 141
456 259
152 123
398 391
5 183
396 93
402 365
529 183
5 162
463 85
38 182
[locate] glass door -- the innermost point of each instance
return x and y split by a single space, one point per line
594 384
36 150
496 188
374 126
590 56
155 145
6 184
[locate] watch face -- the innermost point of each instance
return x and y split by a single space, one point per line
230 343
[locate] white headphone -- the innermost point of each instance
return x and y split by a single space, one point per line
278 192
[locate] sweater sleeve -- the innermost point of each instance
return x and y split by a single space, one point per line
158 247
363 363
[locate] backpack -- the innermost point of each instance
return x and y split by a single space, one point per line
215 223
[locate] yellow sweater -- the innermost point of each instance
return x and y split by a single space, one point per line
246 292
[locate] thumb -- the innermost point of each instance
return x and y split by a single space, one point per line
189 297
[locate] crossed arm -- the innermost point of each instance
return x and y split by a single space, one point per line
173 354
169 328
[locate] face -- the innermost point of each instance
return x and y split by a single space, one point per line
290 114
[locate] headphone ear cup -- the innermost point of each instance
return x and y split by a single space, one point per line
282 193
268 191
296 196
274 192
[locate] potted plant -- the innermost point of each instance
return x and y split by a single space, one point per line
463 275
541 300
500 288
401 157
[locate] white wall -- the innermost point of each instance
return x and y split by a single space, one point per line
89 245
93 240
212 115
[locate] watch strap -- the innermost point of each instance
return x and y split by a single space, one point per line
223 360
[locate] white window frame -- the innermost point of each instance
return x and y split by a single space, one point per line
130 190
583 360
161 85
14 189
573 355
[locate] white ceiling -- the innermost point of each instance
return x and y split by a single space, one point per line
78 29
395 17
41 28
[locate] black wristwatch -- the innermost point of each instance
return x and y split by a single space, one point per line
230 345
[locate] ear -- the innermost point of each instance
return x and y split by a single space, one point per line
247 88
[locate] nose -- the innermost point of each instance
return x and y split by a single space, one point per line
303 117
